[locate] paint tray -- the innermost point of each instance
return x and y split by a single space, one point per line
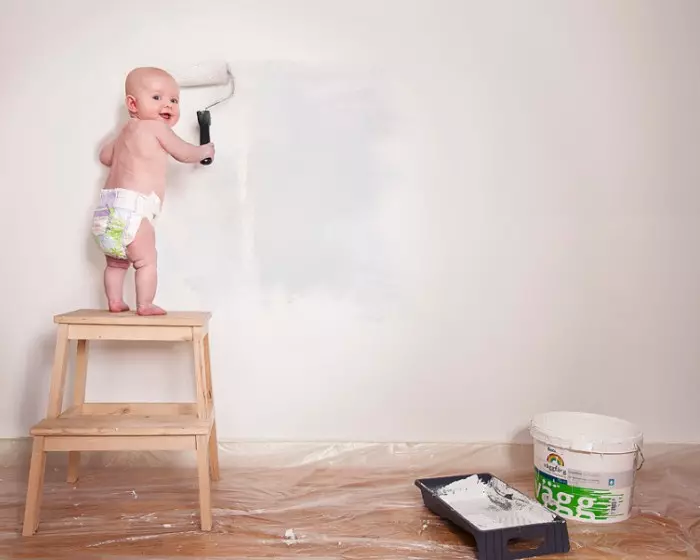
507 543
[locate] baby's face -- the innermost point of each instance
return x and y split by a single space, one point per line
157 97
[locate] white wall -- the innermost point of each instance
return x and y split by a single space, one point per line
428 220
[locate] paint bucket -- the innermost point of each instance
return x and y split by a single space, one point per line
585 465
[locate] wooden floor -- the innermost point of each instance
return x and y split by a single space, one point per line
337 502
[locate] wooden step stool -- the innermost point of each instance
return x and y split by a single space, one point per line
125 426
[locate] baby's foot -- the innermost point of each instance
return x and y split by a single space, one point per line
118 306
150 310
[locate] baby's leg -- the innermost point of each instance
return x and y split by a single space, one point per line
115 271
142 252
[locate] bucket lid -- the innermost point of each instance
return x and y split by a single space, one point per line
582 431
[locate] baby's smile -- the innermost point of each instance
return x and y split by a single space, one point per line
166 115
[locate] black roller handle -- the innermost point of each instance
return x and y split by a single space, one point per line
204 118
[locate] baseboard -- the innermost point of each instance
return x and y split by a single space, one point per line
246 454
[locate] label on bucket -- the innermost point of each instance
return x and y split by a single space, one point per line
577 494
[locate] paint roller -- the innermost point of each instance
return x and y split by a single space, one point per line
206 75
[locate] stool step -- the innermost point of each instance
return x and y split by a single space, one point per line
125 419
104 317
139 409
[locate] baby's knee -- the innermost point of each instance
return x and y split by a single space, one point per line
148 259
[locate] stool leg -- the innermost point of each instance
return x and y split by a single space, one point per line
214 454
73 466
35 487
204 482
200 376
78 399
213 441
58 373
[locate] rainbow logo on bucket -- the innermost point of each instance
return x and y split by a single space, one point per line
554 459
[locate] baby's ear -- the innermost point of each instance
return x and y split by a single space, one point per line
131 103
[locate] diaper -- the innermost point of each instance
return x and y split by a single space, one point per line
118 216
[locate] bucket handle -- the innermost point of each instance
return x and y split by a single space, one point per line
639 454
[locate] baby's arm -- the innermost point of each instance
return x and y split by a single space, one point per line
107 152
182 151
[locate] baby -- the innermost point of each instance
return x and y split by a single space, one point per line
135 187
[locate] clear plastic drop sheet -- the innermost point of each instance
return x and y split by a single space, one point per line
318 502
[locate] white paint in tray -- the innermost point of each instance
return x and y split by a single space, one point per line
493 504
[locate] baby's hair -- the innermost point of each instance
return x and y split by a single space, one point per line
137 76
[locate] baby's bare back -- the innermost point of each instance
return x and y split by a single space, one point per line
138 161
